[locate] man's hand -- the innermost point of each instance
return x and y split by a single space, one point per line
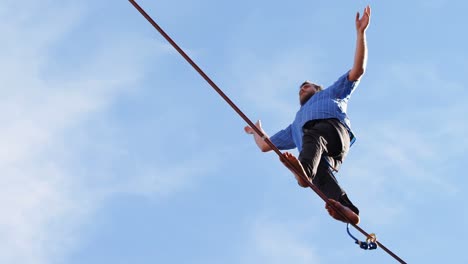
258 140
363 22
250 130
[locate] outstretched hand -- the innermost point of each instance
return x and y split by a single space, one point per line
259 138
250 130
363 22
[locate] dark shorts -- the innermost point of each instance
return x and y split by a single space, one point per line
325 145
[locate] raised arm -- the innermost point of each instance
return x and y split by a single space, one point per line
360 56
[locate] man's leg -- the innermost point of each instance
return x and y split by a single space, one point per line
344 206
327 183
321 141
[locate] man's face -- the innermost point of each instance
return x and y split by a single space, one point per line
306 92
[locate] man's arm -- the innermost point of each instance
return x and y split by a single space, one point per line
258 140
360 56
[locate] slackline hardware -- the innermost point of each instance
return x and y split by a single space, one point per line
252 125
370 241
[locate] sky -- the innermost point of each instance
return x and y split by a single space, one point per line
114 150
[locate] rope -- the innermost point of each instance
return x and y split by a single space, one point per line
251 124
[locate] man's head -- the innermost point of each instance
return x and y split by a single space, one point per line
307 90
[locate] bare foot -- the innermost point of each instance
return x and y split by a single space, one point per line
353 217
296 166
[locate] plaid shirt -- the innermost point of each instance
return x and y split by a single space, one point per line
329 103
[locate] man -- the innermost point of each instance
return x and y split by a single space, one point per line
321 131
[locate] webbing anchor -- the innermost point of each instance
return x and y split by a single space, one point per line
369 244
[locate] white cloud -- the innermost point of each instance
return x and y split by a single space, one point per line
274 242
162 180
43 201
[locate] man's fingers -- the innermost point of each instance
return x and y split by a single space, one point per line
250 130
368 11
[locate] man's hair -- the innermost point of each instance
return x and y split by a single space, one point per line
318 87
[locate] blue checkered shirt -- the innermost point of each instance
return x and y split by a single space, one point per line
329 103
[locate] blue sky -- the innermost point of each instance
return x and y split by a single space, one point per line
114 150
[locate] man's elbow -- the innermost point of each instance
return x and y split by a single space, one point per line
356 74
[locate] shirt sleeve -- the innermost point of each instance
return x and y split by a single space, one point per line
283 139
343 88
